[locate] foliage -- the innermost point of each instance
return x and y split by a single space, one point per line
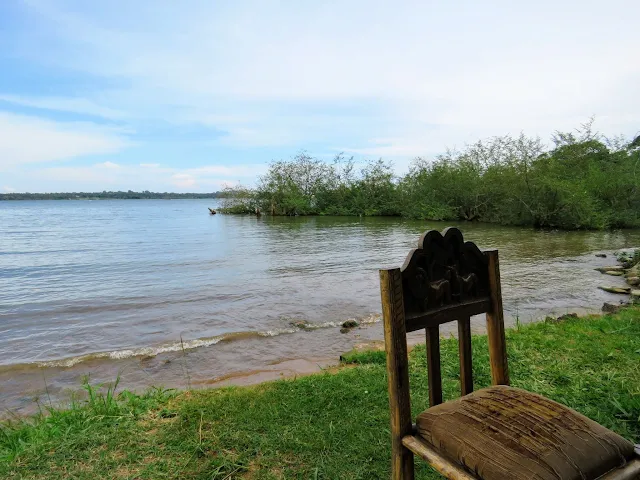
331 425
238 199
584 181
629 259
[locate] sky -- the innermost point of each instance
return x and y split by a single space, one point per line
194 95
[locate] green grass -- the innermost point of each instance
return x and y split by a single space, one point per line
326 426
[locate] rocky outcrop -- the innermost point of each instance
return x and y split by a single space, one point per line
630 269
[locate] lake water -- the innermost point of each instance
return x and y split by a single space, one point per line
160 292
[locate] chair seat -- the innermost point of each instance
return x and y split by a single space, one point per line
501 433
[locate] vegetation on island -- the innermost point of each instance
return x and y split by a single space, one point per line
331 425
119 195
584 181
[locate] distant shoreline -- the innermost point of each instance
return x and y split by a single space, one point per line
130 195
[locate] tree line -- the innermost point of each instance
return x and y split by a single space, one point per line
128 195
582 181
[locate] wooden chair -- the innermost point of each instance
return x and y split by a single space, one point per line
499 432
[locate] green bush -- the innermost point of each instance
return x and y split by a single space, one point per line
584 181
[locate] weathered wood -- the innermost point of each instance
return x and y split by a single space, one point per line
495 324
443 465
433 366
395 337
630 471
448 313
464 348
443 271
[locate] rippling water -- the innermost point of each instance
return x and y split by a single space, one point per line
103 287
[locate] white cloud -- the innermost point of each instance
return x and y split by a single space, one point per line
112 176
183 180
229 171
109 165
7 189
25 139
150 165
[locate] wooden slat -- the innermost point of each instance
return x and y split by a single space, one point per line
464 348
629 472
443 465
433 365
495 325
395 338
448 313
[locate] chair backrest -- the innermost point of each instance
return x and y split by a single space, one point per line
445 279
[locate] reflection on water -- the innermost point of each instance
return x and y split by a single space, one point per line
101 281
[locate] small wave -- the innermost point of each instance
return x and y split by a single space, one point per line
370 319
148 352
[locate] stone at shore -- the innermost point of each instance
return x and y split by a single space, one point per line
633 271
621 290
350 324
345 330
613 268
301 324
635 295
611 308
566 316
614 273
561 318
633 281
601 255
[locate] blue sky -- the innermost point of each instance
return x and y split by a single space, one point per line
192 95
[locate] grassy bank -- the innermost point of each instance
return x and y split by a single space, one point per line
332 425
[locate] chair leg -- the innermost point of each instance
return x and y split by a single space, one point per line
402 467
395 336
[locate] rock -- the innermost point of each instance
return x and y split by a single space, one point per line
614 268
601 255
301 324
621 290
635 295
610 308
561 318
614 273
633 281
633 271
350 324
345 330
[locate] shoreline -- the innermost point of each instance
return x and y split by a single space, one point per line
280 369
250 358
